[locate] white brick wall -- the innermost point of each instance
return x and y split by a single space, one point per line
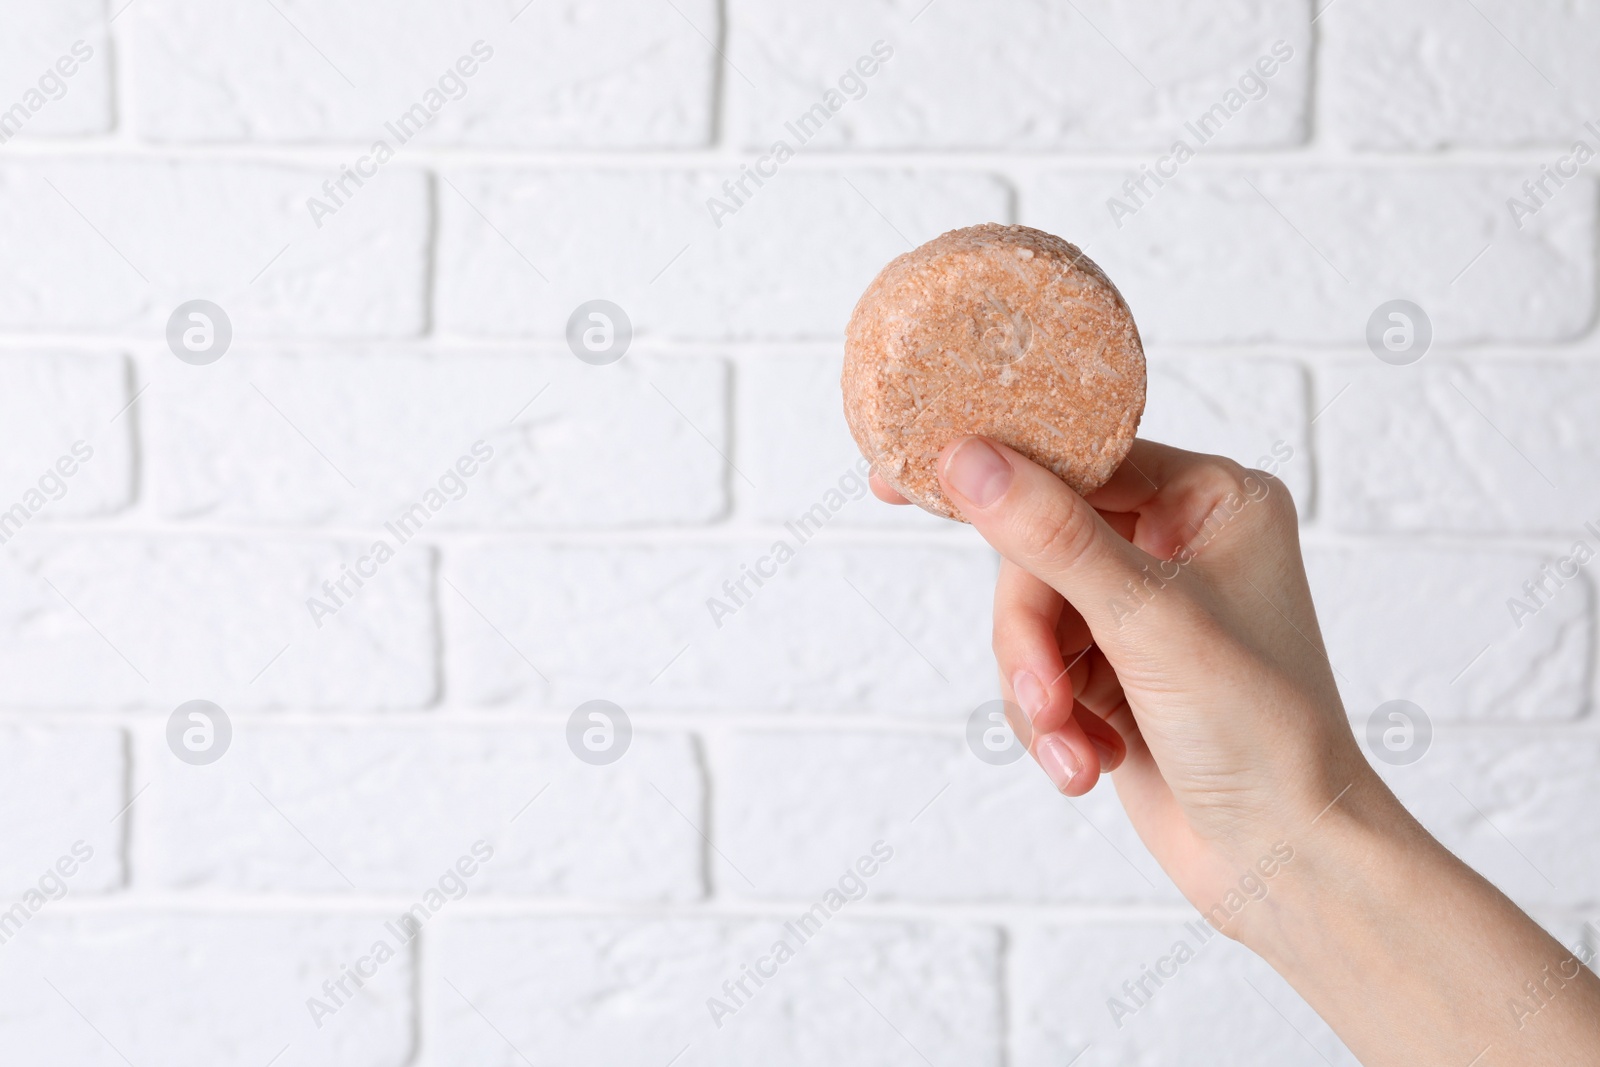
1431 73
961 829
622 990
990 77
51 402
139 620
891 631
197 989
421 311
113 244
58 51
1305 254
563 75
518 250
229 448
1471 446
250 826
1458 659
63 788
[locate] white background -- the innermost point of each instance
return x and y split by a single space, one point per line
427 313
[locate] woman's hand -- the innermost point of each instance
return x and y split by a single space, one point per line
1162 628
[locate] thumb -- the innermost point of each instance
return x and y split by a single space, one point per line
1035 520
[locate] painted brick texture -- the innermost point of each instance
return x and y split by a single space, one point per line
403 538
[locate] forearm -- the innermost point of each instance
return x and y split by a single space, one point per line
1413 958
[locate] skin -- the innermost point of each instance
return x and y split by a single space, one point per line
1202 686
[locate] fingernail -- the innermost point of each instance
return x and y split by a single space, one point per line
1107 756
1031 694
978 472
1056 757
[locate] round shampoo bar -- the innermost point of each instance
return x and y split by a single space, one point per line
1003 331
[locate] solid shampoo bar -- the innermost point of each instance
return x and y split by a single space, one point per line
1004 331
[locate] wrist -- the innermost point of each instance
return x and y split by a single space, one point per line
1343 860
1409 955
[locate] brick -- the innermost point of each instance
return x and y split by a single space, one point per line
50 402
149 622
1503 801
391 810
559 625
636 991
43 40
1221 999
562 75
197 989
226 444
796 448
789 264
1309 255
1431 74
1464 447
794 809
990 77
1432 625
240 235
1239 408
61 789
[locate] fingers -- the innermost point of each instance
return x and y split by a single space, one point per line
1067 755
1183 501
1108 743
1144 472
1026 648
1126 523
1140 784
1101 691
1072 745
1033 519
884 491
